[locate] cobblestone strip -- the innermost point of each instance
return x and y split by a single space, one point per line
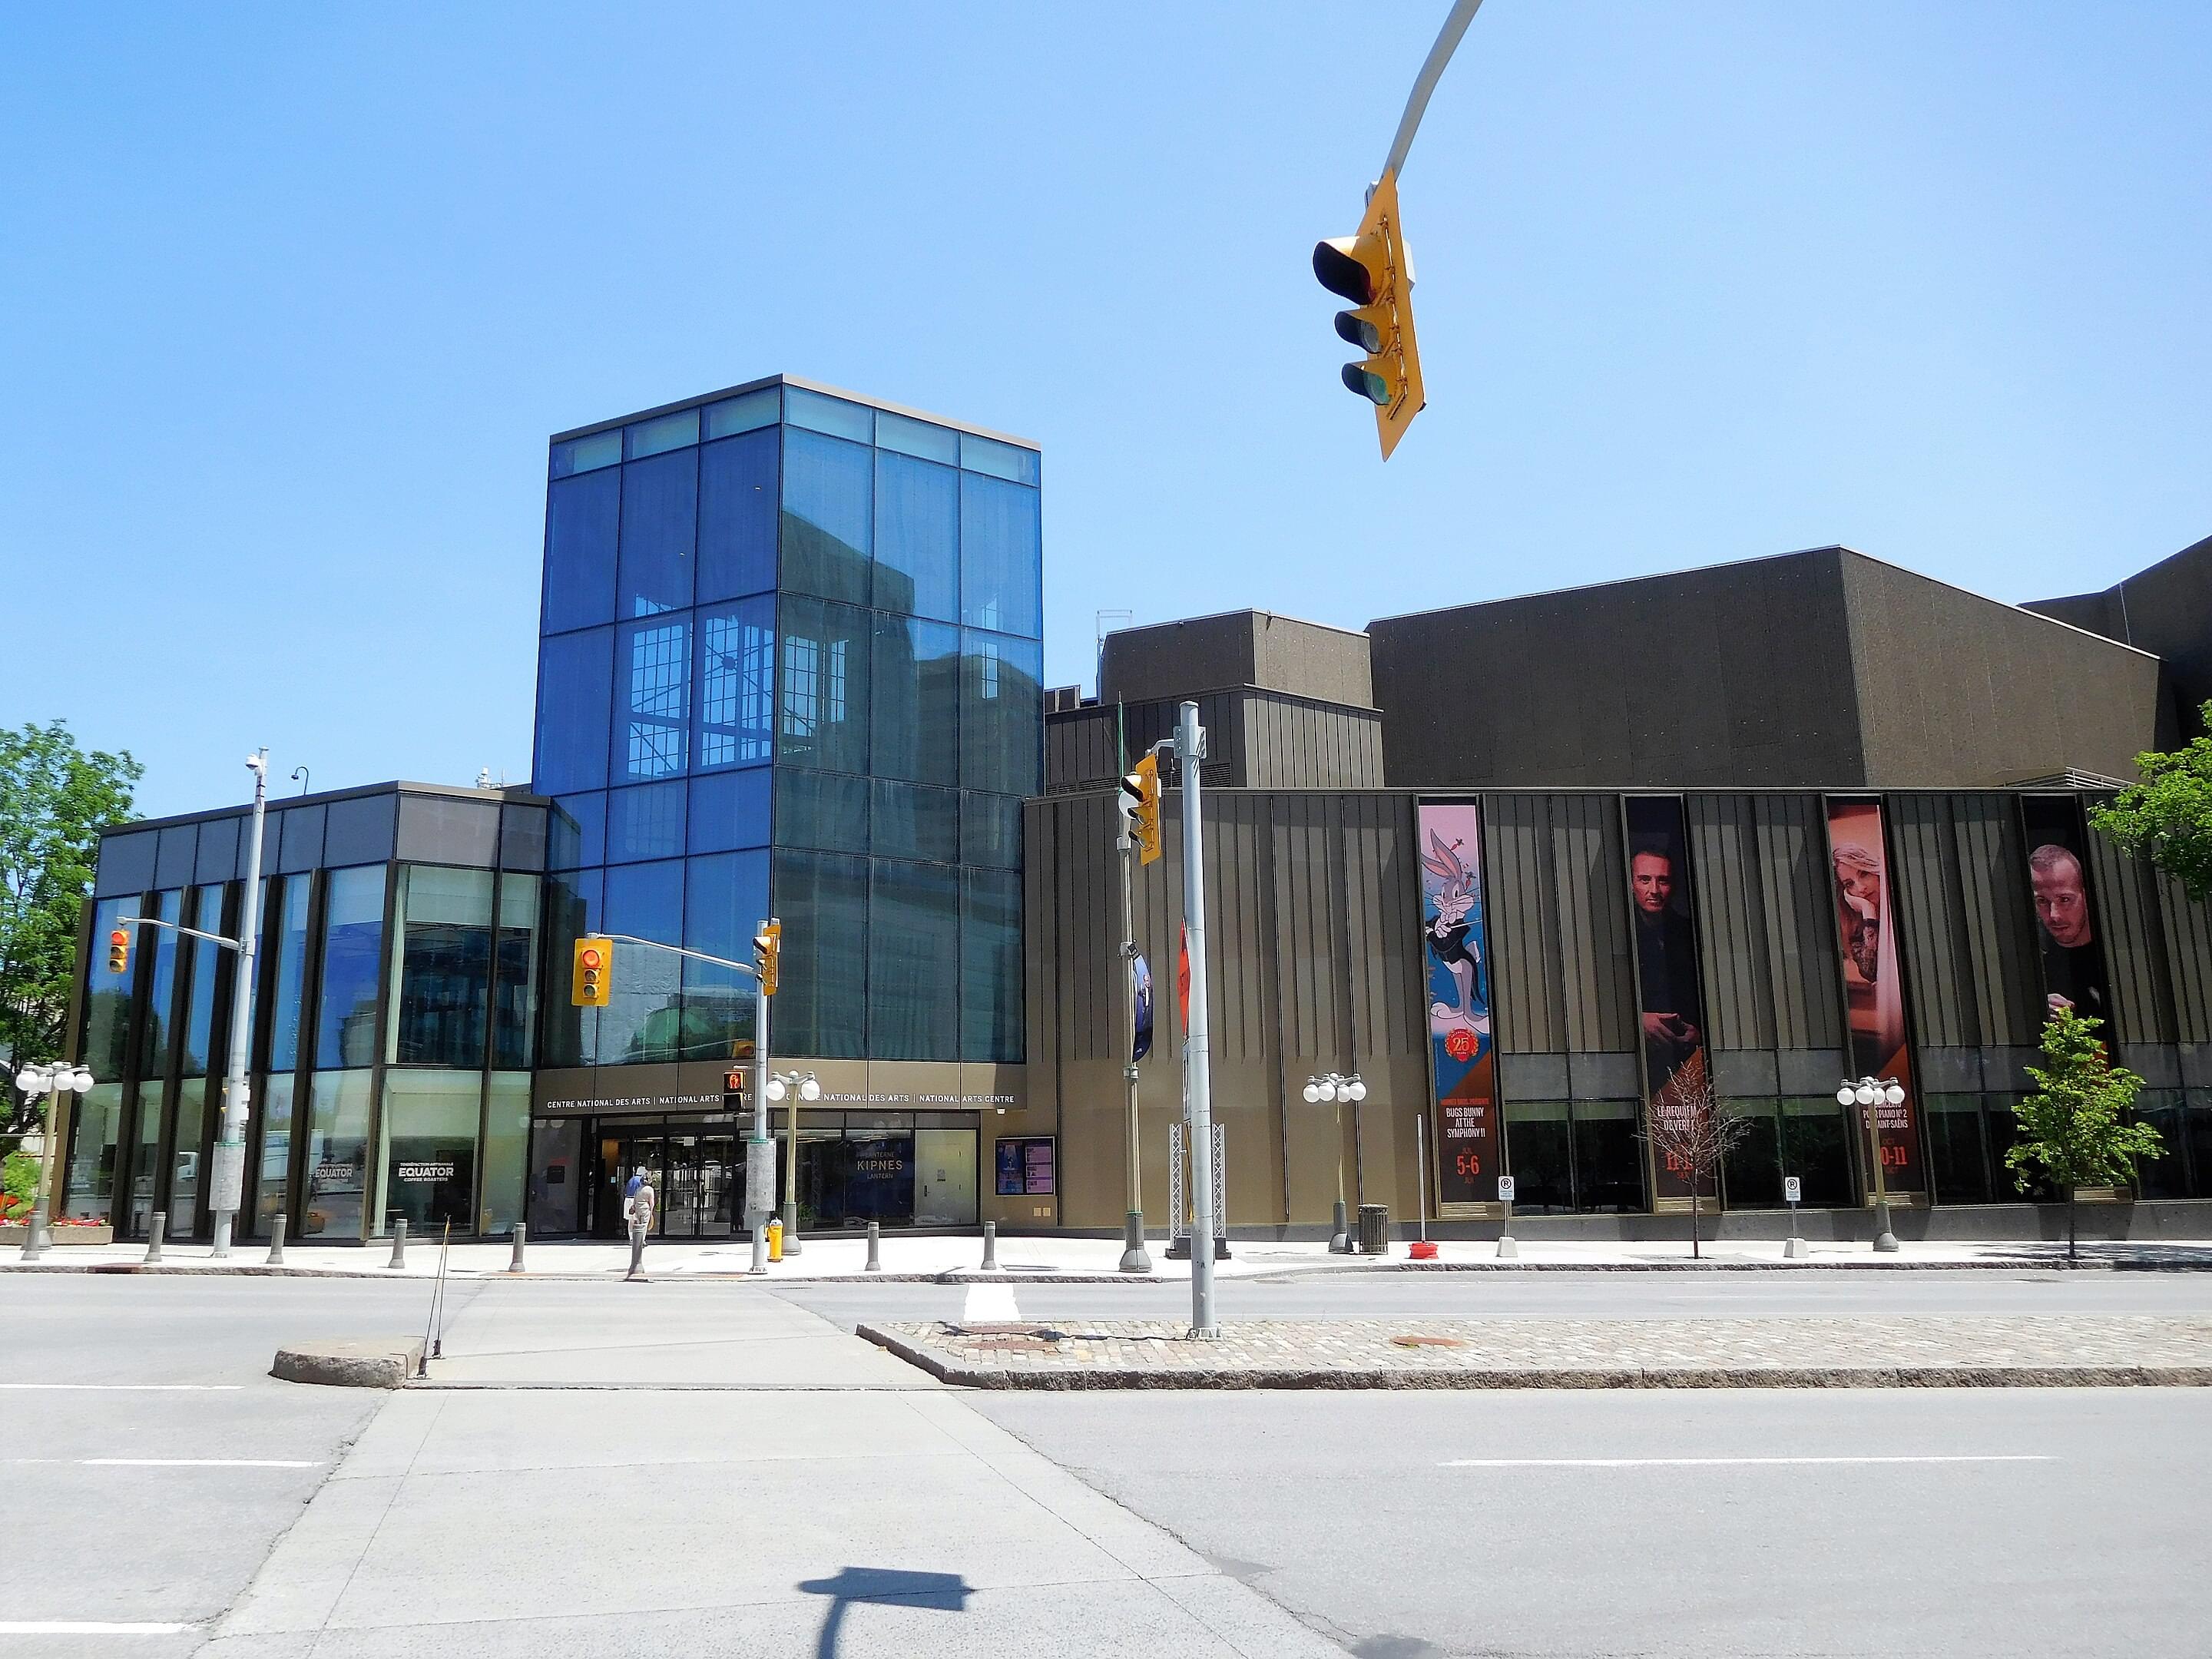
1932 1351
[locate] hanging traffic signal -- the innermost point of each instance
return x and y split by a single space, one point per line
768 953
591 984
1140 805
1371 270
119 951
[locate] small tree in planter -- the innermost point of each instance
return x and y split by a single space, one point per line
1689 1135
2074 1128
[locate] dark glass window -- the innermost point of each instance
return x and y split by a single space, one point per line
991 831
917 537
107 996
660 518
909 437
735 722
586 454
337 1155
570 1034
1540 1151
353 954
1958 1165
1011 461
822 685
445 969
827 503
646 823
429 1169
991 966
826 810
1751 1173
1001 557
360 830
1816 1149
2166 1174
161 994
665 433
199 1019
821 1009
514 994
178 855
301 844
281 1016
914 939
725 898
218 860
917 700
745 412
737 517
831 415
581 514
914 822
1001 713
730 810
577 836
575 682
642 1020
652 681
1609 1157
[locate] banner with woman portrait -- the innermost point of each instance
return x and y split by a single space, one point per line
1462 1050
1874 986
1670 995
2066 932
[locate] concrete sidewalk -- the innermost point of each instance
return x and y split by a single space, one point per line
1074 1260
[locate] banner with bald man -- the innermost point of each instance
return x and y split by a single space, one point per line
1670 996
1874 985
2066 921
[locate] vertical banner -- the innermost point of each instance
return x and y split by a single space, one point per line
1464 1064
1670 998
1141 998
2066 932
1874 987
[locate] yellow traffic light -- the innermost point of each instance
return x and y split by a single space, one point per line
768 952
1140 795
119 951
592 983
1371 270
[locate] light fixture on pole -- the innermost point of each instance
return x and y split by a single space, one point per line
1871 1093
1331 1089
52 1080
793 1086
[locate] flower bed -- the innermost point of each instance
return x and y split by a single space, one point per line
62 1230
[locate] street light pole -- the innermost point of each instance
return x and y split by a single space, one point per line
227 1186
1336 1088
53 1080
1190 749
1134 1259
1872 1093
760 1150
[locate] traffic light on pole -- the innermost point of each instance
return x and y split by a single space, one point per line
768 953
119 951
1140 805
592 985
1371 270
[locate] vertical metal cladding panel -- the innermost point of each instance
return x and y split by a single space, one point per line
1592 886
1938 965
1528 986
1046 981
1093 903
1306 947
2134 946
1994 910
2189 955
1382 903
1732 921
1797 892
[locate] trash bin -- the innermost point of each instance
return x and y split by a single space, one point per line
1374 1230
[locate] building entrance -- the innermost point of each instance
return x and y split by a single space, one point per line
698 1172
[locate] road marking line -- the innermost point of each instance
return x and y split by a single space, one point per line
173 1462
136 1388
1704 1462
989 1304
85 1627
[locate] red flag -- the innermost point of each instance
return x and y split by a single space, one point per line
1182 978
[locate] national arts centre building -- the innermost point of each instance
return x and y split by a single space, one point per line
1532 869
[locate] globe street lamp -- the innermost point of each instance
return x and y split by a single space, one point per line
53 1079
1871 1093
1334 1088
793 1086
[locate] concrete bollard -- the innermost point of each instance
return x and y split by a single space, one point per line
875 1248
154 1229
398 1243
1339 1232
514 1262
1795 1249
990 1247
277 1240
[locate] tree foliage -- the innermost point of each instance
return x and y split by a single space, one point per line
2074 1128
55 799
1691 1136
2168 816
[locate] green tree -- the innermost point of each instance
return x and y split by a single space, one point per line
2074 1126
2168 818
55 799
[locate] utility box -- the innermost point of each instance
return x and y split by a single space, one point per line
1374 1230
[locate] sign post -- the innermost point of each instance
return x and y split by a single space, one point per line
1792 1190
1507 1247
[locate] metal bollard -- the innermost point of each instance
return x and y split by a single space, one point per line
875 1248
990 1247
277 1240
398 1243
1339 1233
514 1262
154 1229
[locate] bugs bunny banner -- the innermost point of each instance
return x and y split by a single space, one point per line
1470 1155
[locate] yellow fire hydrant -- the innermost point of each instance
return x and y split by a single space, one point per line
776 1241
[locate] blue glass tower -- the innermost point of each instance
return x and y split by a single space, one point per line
790 664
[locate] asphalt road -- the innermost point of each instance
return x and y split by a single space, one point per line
1325 1294
1357 1513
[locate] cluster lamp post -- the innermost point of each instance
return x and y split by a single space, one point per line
1336 1088
1872 1093
53 1079
793 1086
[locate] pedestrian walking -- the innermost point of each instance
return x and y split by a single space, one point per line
638 1211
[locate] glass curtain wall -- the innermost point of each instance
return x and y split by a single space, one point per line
1580 1156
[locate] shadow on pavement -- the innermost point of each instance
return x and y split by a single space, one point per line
948 1592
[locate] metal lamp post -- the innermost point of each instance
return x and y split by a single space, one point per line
53 1080
793 1086
1336 1088
226 1188
1872 1093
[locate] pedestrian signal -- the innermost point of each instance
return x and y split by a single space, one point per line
592 983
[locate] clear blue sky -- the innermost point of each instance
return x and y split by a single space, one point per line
294 296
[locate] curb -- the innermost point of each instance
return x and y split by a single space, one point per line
1627 1377
606 1275
376 1362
